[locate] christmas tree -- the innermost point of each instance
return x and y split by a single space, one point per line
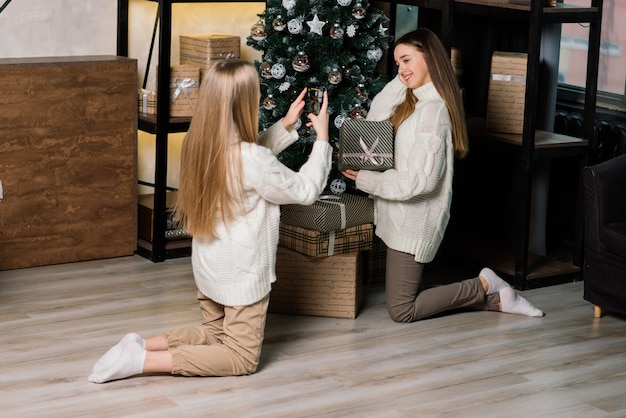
332 45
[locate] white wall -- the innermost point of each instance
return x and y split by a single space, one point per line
37 28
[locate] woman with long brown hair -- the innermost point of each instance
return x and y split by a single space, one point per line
231 186
412 200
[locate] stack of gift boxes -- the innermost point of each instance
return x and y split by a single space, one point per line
321 256
197 53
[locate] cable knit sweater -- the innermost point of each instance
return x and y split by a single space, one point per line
238 268
412 200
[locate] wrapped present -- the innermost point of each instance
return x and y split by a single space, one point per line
203 49
329 287
146 101
322 244
366 145
184 90
330 213
506 93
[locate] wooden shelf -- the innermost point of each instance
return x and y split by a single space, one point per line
547 144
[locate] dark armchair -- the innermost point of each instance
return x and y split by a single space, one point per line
604 271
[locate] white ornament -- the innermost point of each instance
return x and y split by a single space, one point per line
382 30
351 31
278 71
294 26
298 124
339 120
375 54
338 186
284 86
289 4
344 3
316 25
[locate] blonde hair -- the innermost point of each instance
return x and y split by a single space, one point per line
210 189
445 82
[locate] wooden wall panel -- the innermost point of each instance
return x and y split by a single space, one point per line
68 128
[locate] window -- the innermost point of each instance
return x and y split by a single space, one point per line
612 65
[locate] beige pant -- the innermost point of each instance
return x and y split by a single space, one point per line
228 343
406 302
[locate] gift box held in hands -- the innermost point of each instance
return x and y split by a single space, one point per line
366 145
330 213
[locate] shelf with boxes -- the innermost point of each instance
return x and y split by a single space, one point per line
161 124
532 144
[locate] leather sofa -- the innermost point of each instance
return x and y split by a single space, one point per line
604 264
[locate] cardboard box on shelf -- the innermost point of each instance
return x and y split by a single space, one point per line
329 286
506 94
146 217
184 89
203 49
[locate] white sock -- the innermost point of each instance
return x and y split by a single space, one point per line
114 352
515 304
495 282
129 363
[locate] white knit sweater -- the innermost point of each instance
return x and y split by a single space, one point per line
238 268
412 200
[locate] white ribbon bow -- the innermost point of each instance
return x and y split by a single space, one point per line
182 86
368 154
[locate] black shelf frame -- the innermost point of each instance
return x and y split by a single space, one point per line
161 126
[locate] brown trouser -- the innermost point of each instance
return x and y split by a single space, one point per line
227 344
406 302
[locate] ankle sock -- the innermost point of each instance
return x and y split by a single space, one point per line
495 282
114 352
130 362
513 303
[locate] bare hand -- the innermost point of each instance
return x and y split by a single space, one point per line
294 112
350 173
319 122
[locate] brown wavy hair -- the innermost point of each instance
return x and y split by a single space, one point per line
445 82
210 189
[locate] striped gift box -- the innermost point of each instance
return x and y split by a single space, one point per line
366 145
330 213
323 244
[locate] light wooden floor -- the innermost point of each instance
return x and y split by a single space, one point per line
56 321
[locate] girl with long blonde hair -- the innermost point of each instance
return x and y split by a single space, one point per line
231 186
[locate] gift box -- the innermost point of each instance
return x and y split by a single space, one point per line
145 215
329 286
146 101
365 145
330 213
506 94
184 90
203 49
323 244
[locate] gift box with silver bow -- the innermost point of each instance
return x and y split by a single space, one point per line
330 213
184 90
203 49
365 145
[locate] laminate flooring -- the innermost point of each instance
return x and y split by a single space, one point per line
56 321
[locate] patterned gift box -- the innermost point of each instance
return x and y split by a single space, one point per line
376 260
203 49
318 244
329 286
366 145
146 101
330 213
184 89
506 93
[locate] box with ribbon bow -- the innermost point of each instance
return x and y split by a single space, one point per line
366 145
330 213
203 49
184 90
